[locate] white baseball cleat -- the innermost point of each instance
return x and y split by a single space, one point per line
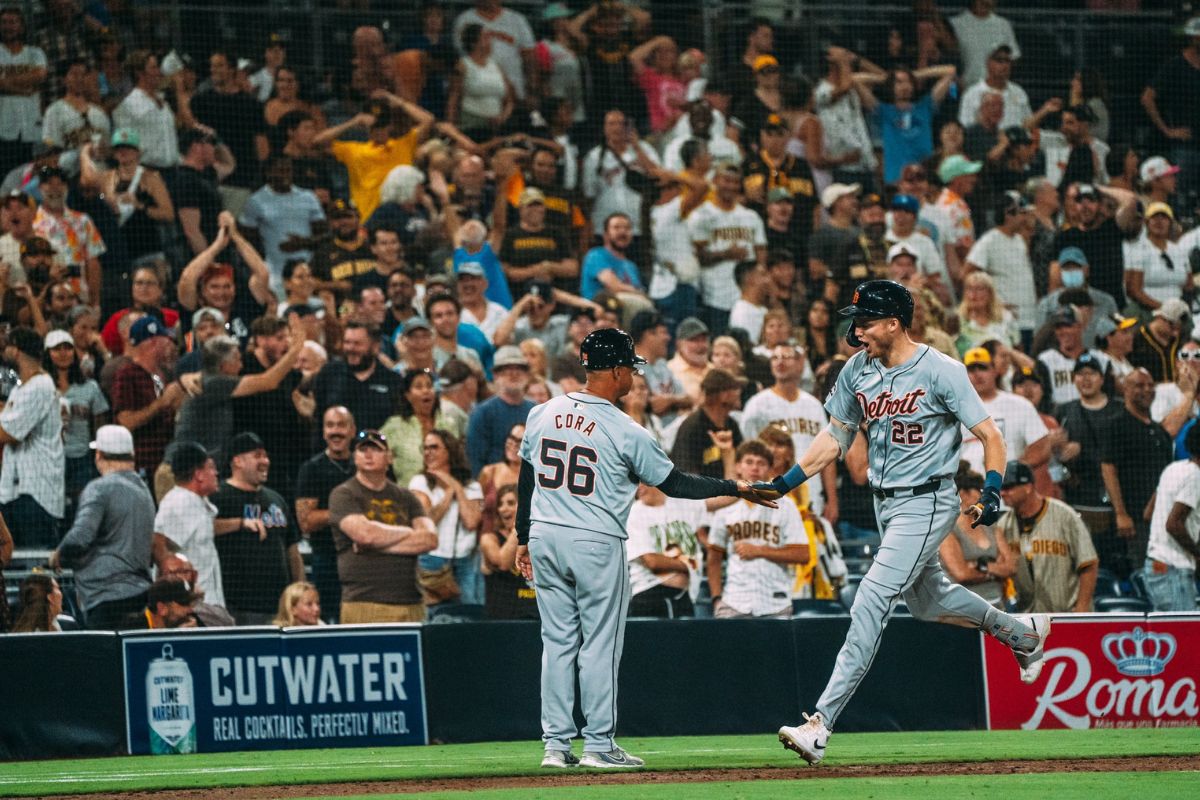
808 740
559 759
1031 663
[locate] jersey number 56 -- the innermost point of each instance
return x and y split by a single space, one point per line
575 471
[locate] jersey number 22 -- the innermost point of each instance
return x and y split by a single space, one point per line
907 432
575 472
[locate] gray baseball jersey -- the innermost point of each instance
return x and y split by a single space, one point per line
910 414
588 457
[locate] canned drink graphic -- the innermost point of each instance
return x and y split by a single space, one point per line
170 705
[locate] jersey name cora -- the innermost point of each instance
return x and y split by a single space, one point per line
885 405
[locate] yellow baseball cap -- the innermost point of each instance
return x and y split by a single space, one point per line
1159 208
762 62
977 355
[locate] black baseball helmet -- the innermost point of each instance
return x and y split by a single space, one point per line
875 300
608 348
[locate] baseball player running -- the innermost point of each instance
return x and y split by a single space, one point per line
909 400
581 461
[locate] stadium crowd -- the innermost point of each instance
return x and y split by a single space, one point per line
249 312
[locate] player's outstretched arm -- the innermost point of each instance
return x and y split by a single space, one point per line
824 450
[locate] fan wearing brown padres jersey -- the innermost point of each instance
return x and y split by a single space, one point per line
1057 566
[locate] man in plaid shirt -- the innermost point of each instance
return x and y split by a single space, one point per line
144 396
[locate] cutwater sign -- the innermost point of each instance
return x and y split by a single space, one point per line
269 690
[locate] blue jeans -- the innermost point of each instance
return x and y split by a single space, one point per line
848 531
1173 590
466 574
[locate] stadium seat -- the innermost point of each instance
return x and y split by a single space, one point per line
1138 582
459 612
818 608
1123 605
1107 584
846 596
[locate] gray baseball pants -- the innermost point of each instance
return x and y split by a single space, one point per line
582 583
906 566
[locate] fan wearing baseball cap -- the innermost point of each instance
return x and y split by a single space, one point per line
1156 343
31 477
1056 561
902 219
110 543
1158 178
1156 268
772 169
958 175
1074 273
1100 236
169 604
140 400
256 535
378 529
832 243
1003 254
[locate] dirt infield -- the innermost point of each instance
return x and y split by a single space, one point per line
592 778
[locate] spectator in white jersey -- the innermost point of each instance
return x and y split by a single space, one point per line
724 234
1060 359
759 543
786 404
1025 435
665 554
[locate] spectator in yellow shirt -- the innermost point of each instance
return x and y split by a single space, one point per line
369 162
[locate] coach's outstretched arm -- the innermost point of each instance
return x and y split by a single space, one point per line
689 486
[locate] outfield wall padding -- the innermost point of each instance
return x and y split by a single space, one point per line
62 694
699 677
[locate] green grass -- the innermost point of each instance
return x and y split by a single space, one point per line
1074 786
521 758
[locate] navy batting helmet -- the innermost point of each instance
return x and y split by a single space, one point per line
608 348
876 300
